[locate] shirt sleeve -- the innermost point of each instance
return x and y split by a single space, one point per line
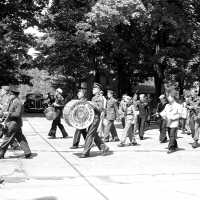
16 111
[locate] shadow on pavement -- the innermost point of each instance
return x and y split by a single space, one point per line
46 198
21 156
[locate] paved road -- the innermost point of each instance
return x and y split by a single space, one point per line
57 173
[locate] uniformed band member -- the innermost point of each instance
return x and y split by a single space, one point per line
171 114
13 123
162 121
92 134
82 97
111 113
143 115
58 104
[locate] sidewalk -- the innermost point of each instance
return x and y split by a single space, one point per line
57 173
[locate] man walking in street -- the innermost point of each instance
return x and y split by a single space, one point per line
143 108
111 114
92 134
58 105
13 124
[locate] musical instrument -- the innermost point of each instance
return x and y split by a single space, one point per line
50 113
78 114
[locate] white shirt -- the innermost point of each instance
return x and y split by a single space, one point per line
172 113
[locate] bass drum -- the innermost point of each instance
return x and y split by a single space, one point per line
78 114
50 113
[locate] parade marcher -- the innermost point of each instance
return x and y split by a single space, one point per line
92 134
111 113
13 124
143 115
130 121
4 102
122 108
171 114
82 97
184 115
194 107
162 121
58 104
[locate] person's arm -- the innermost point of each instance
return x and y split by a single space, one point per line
15 110
116 109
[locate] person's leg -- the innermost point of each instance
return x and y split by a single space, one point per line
125 134
133 142
52 132
192 125
76 139
84 133
90 136
123 122
23 142
163 137
196 135
107 130
114 132
172 139
142 126
62 128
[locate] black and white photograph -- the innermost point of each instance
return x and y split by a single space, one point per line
99 99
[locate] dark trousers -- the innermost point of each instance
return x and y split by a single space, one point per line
192 125
57 122
163 130
141 125
92 135
172 132
13 132
77 136
110 128
123 122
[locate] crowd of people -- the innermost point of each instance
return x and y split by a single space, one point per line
134 113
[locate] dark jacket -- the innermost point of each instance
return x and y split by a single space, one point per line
15 110
111 109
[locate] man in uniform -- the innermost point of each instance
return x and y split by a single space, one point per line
92 134
162 121
13 123
143 108
122 108
58 104
4 102
111 114
82 97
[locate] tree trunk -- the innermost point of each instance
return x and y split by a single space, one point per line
158 85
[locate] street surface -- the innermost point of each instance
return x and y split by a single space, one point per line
138 172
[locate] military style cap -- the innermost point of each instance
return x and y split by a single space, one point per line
14 89
98 85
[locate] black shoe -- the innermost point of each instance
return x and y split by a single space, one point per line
84 156
15 148
195 144
163 141
28 156
1 156
52 137
133 143
106 140
74 147
1 180
116 139
141 138
121 145
66 136
171 151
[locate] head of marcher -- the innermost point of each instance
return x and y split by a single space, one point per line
81 93
110 93
171 95
124 97
142 97
97 88
59 91
14 91
128 100
162 98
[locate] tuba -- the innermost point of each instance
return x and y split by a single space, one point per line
78 114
